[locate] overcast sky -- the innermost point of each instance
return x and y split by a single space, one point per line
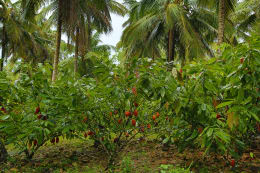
113 37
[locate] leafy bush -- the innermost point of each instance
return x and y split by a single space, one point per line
209 103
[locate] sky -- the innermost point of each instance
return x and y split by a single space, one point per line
113 37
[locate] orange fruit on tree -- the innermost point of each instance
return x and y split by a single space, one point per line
133 122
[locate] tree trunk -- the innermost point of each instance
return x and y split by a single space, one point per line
88 44
3 49
76 52
221 21
3 152
58 41
171 45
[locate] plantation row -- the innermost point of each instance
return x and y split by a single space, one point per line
213 104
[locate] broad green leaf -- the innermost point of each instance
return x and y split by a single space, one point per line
209 132
162 91
5 117
255 116
224 104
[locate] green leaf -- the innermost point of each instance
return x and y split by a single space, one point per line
165 140
5 117
251 155
162 91
224 104
255 116
209 132
240 96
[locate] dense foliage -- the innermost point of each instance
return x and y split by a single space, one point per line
208 103
185 72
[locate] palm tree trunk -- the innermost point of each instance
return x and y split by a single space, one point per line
171 45
221 21
76 51
3 49
58 41
88 44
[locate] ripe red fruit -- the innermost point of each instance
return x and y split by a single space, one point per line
39 116
157 114
181 71
90 133
102 139
167 118
85 135
53 140
136 104
119 121
110 113
127 113
241 60
133 122
134 91
154 117
57 139
37 110
85 119
218 116
148 126
35 142
136 113
232 162
200 129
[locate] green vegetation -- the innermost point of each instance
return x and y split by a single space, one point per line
184 78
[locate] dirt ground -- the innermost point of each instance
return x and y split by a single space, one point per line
140 156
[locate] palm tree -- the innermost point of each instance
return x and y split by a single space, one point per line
58 41
20 38
70 16
223 7
3 48
60 14
155 25
89 16
246 18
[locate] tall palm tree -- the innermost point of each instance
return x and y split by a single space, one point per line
223 7
69 15
164 24
246 18
20 38
60 10
88 16
3 48
58 41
